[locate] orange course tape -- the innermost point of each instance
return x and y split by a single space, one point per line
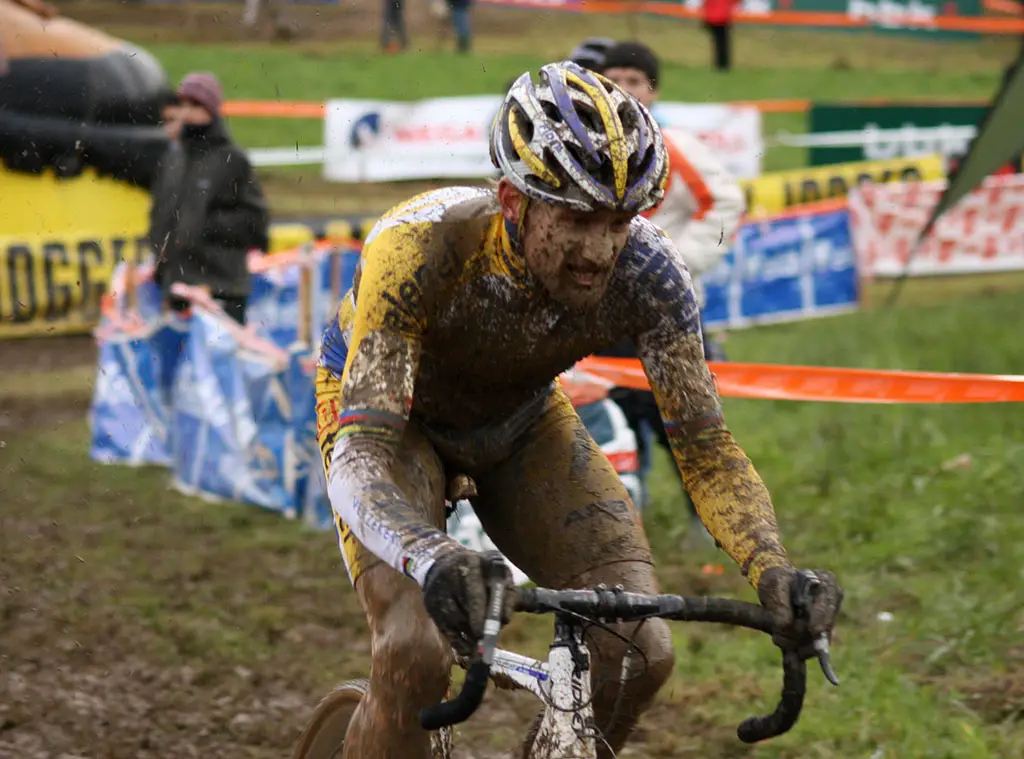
814 383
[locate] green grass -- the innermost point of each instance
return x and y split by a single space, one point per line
916 508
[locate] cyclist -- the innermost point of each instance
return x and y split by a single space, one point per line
466 305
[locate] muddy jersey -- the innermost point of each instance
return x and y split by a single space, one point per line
445 325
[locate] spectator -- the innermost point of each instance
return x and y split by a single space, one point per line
718 22
590 53
702 209
459 11
208 209
394 26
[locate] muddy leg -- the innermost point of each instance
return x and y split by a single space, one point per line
411 661
558 510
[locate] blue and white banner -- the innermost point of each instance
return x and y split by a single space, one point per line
232 417
130 413
273 304
784 269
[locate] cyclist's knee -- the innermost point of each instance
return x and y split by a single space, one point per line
412 655
655 640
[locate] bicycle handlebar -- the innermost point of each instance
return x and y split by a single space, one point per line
620 606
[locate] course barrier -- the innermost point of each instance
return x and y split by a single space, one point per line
835 385
860 15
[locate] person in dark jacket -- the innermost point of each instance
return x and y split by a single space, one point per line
208 209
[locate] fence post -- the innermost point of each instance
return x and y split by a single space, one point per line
305 294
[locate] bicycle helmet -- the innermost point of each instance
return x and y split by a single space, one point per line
578 140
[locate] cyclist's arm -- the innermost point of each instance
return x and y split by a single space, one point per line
364 405
729 495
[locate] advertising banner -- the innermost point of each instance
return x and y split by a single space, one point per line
982 233
866 132
778 191
732 133
381 141
51 284
784 269
130 413
231 419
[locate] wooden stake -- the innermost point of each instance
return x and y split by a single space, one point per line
336 275
129 285
305 293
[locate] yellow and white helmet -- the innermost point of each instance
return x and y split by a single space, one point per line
576 139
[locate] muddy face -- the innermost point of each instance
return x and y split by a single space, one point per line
573 253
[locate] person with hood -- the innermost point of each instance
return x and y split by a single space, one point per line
208 209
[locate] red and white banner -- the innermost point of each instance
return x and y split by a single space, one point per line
984 232
381 141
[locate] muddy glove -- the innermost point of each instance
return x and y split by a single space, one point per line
455 594
803 605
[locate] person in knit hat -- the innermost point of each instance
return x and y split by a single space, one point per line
208 209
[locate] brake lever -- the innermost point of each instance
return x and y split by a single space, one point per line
802 592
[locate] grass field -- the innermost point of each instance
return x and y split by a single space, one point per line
340 59
140 623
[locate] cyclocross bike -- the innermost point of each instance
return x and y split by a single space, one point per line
567 729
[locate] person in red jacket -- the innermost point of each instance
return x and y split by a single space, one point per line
718 22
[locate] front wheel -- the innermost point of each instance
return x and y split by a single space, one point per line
324 736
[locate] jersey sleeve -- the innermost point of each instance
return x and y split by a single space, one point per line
728 493
363 404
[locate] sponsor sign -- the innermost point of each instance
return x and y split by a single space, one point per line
778 191
380 141
55 283
982 233
784 269
865 132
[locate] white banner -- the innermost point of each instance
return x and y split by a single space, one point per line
381 141
732 132
982 233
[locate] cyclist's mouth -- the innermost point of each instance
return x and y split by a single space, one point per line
585 276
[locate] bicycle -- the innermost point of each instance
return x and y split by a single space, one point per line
566 729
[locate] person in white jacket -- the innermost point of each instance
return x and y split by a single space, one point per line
701 211
703 204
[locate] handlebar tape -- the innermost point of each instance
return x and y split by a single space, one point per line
794 685
460 708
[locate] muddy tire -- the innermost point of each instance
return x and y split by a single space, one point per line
324 736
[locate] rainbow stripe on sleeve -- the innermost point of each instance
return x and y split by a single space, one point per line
381 425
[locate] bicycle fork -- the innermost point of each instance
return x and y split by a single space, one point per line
567 729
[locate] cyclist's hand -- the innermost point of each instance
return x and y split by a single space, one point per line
456 593
799 621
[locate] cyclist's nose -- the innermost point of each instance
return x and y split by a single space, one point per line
598 250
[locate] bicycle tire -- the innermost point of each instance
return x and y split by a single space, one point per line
324 735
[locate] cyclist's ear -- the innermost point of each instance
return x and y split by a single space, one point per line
510 199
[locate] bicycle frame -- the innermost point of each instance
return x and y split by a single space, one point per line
562 683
